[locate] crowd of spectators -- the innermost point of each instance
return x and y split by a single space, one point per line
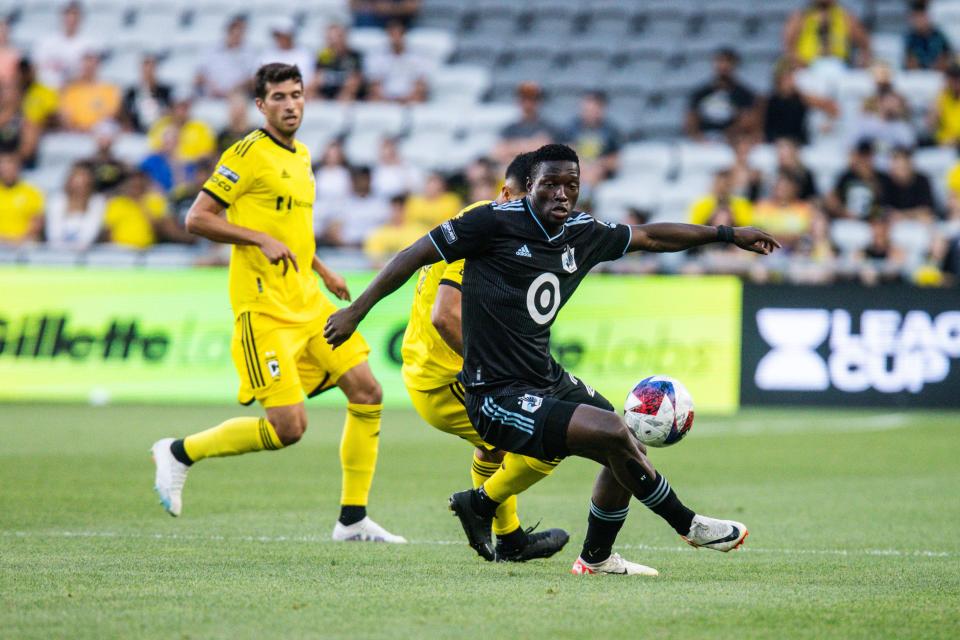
379 206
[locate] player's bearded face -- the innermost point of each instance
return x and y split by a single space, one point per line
555 189
283 106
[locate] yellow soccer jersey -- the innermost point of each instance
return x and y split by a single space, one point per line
428 361
268 186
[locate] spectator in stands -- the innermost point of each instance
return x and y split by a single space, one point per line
339 69
723 107
395 235
530 131
786 110
139 216
951 260
596 140
481 180
435 205
379 13
238 122
908 194
195 138
953 192
10 55
333 182
21 204
285 49
392 176
39 105
75 215
398 75
860 189
945 115
161 165
789 163
358 216
926 47
885 118
88 100
147 101
745 179
11 118
784 214
826 32
721 206
230 66
59 55
108 170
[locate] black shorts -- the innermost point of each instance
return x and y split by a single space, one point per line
533 423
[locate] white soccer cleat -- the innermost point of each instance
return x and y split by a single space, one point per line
365 531
615 565
171 474
720 535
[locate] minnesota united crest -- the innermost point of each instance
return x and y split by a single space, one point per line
568 261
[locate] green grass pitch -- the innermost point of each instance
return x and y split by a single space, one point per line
854 520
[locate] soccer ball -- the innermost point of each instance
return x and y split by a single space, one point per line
659 411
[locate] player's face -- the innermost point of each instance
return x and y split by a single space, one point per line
283 105
555 189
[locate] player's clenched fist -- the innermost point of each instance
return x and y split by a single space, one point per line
755 240
340 326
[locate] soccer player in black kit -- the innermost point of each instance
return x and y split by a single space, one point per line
524 259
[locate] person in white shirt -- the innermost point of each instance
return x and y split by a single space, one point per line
58 55
285 49
229 67
398 75
392 176
360 214
74 217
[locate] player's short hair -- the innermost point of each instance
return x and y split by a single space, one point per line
273 73
519 169
552 153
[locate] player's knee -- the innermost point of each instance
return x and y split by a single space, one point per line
370 392
290 429
493 457
614 437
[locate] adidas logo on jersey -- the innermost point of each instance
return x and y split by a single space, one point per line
284 174
524 252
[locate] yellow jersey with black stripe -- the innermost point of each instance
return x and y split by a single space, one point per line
428 361
268 186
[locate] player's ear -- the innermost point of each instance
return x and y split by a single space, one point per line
505 195
259 103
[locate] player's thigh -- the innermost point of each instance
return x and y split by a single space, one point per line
320 366
573 389
264 353
532 424
443 408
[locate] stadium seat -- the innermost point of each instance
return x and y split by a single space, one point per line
434 44
459 84
428 150
913 238
131 148
368 40
381 118
850 237
64 148
888 47
318 115
919 87
703 159
361 146
490 117
436 117
653 159
613 197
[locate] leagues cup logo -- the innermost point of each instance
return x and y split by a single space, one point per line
568 261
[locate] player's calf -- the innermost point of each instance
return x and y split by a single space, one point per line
289 422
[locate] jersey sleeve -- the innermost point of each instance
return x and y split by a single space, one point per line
232 177
466 236
610 240
452 275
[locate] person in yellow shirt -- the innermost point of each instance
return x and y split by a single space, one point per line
784 214
431 351
434 205
21 204
385 241
953 193
824 30
140 217
265 184
945 115
720 206
88 100
195 139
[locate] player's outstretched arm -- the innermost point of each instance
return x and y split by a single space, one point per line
205 219
677 236
343 323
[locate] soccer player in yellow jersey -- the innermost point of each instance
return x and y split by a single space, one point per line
432 358
265 184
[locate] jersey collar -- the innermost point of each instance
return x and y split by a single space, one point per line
277 142
529 208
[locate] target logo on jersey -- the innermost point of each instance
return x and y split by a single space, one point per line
659 411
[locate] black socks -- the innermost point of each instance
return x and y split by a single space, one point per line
662 500
351 514
602 529
176 448
482 504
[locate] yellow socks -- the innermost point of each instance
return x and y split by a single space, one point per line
506 519
231 438
358 452
516 475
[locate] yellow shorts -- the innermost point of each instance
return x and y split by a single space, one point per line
442 408
280 362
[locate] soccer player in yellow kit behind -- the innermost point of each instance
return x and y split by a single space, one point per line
432 357
265 183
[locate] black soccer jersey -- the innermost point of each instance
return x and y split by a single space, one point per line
517 278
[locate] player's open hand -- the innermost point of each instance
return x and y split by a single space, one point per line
752 239
340 326
336 285
278 252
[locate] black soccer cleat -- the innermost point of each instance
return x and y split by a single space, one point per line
539 545
474 525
